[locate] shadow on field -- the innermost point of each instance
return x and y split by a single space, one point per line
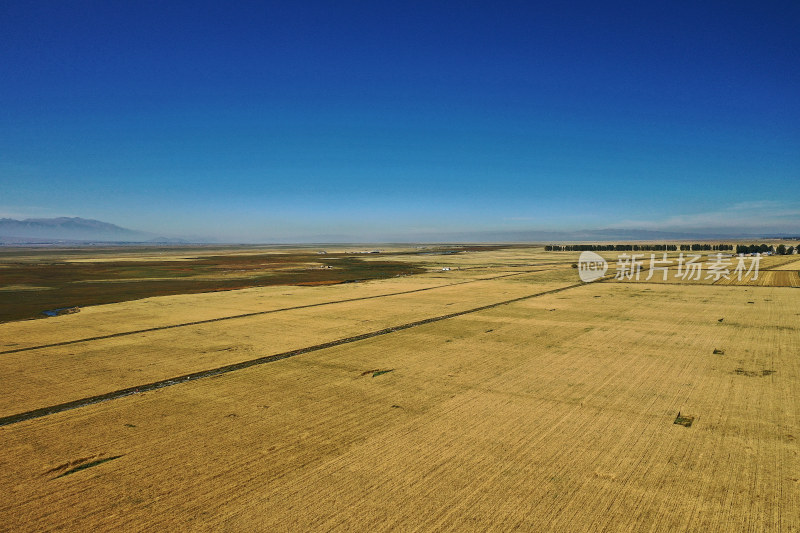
377 372
80 464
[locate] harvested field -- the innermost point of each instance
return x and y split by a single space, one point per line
506 396
790 265
768 278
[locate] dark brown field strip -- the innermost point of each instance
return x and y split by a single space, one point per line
83 402
256 313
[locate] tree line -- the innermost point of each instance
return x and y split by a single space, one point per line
635 247
781 249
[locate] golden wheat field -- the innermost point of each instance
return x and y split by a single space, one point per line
501 394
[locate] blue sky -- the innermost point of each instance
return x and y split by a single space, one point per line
371 120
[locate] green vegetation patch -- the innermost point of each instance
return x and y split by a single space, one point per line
377 372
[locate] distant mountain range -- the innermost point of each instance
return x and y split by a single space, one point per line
71 229
76 230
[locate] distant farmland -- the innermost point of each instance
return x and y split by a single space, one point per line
487 389
47 281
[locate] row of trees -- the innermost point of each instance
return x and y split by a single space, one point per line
634 247
706 247
781 249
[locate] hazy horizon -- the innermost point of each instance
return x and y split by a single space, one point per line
279 123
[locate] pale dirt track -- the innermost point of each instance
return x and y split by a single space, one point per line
552 413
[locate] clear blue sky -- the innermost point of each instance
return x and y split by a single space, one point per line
254 121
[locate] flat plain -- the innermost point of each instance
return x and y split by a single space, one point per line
499 394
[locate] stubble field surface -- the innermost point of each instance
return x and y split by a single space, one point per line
500 394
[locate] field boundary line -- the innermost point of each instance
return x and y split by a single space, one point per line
160 384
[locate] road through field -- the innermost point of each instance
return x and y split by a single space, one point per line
177 380
68 373
233 317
